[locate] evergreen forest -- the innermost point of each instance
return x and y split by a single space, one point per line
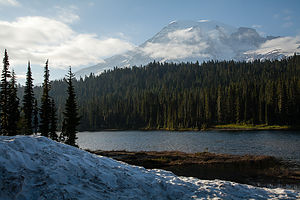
187 95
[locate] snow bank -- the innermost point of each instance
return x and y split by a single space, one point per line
33 167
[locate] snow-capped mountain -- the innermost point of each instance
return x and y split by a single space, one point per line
202 40
34 167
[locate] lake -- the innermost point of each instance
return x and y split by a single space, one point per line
282 144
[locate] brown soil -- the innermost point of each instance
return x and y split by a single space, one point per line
248 169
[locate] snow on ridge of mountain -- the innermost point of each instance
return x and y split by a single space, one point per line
276 48
204 27
35 167
203 40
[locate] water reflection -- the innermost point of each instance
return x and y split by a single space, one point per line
284 144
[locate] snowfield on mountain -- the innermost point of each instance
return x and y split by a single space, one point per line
34 167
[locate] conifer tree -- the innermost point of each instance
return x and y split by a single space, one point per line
71 118
28 101
220 106
13 106
45 104
207 108
53 122
237 109
35 117
4 93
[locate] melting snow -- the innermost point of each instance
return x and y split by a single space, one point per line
34 167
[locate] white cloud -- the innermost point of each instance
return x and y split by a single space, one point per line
9 3
285 45
40 38
183 34
203 20
21 76
179 44
174 51
256 26
68 14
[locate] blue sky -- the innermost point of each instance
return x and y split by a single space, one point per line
82 33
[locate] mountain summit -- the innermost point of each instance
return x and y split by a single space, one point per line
203 40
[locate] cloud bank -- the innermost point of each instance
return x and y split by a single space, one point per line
9 3
38 38
180 44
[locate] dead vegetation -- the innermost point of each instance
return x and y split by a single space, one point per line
248 169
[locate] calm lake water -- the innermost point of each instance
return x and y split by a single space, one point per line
284 144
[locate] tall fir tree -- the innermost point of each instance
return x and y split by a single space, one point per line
53 122
71 117
28 101
45 104
13 106
237 108
220 105
35 117
4 93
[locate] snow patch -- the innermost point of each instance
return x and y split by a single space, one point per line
34 167
283 45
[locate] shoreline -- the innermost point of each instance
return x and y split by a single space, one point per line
226 127
257 170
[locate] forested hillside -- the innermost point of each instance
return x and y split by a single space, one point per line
187 95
